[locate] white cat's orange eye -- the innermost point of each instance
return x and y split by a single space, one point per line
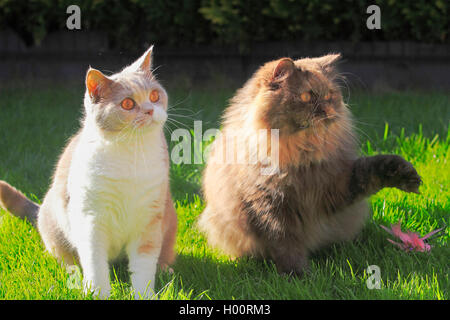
154 96
128 103
305 96
327 96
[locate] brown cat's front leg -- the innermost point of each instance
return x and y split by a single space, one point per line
371 174
289 258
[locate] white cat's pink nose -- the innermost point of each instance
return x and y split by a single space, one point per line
149 112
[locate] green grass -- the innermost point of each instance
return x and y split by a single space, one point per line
35 124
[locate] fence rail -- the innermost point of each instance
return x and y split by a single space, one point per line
66 55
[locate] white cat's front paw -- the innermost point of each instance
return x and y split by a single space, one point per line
101 292
144 293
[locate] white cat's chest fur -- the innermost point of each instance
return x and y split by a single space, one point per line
114 184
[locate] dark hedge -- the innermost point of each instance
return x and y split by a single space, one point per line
131 23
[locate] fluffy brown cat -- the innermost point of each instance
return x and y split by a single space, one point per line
318 194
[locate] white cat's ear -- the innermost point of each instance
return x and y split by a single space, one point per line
144 63
97 84
284 69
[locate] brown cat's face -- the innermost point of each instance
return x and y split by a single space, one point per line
298 95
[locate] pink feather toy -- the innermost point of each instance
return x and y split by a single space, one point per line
410 241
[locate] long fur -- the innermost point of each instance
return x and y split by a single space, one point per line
314 197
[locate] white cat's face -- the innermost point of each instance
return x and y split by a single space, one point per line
129 100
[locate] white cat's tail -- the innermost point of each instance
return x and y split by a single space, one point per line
15 202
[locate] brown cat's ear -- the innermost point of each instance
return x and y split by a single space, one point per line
97 84
328 62
284 69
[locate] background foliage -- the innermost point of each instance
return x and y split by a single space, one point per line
178 22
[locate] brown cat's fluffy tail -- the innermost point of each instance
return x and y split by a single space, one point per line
15 202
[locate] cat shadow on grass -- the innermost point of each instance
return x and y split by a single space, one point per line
227 278
204 277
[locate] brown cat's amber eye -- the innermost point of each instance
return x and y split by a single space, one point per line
154 96
305 96
128 103
327 96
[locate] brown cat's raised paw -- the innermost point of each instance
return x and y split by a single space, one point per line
399 173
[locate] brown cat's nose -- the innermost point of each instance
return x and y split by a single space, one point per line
325 110
329 111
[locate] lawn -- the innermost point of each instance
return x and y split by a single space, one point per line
35 123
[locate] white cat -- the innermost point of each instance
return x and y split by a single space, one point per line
110 191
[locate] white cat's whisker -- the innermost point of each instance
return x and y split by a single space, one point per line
123 133
172 106
141 141
183 116
174 121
